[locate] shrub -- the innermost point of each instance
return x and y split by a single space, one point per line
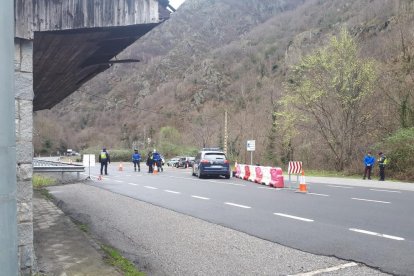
399 148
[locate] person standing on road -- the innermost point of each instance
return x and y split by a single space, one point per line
157 160
150 162
369 162
136 159
382 162
104 159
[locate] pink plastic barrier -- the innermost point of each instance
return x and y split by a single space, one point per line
271 176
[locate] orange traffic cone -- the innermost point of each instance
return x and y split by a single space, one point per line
100 177
302 186
120 168
155 170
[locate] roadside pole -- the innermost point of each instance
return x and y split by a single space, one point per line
8 201
251 146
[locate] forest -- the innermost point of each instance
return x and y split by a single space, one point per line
317 81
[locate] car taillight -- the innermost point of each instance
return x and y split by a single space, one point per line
204 161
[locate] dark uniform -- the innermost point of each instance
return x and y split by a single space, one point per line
382 162
136 159
104 159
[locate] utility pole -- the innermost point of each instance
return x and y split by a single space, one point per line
225 132
8 201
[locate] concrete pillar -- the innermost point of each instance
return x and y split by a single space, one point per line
23 73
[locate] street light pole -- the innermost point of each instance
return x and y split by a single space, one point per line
8 202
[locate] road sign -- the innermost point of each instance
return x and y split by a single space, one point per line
251 145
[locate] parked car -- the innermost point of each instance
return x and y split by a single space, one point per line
190 161
211 162
182 163
172 161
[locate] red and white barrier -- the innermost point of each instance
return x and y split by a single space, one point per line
271 176
295 167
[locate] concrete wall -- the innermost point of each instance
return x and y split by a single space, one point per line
47 15
23 72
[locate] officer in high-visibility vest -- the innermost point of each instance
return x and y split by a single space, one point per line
382 162
104 159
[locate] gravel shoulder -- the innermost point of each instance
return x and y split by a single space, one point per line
163 242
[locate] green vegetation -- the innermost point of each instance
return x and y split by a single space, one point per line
329 89
115 258
399 149
40 181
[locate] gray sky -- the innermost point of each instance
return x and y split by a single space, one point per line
176 3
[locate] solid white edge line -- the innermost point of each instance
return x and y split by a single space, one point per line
388 191
317 194
266 188
343 187
376 234
200 197
237 205
150 187
370 200
173 192
293 217
329 269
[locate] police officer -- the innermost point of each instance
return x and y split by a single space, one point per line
150 162
157 160
382 162
104 159
136 159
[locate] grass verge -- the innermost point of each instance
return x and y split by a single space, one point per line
113 257
40 181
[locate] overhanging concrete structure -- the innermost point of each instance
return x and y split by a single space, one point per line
59 45
82 54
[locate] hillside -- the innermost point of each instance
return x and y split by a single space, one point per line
217 55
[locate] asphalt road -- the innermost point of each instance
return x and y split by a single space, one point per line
363 224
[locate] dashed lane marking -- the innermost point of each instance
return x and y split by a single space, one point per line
370 200
388 191
329 269
377 234
150 187
119 181
293 217
134 184
173 192
200 197
237 205
343 187
317 194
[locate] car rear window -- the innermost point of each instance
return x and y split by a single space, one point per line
215 156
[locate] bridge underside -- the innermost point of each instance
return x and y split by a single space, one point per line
64 60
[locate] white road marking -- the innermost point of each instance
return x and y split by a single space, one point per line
227 183
200 197
376 234
237 205
134 184
119 181
150 187
317 194
370 200
343 187
388 191
128 175
293 217
329 269
173 192
266 188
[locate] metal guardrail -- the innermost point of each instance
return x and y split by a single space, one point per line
51 166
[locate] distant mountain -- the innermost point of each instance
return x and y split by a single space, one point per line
212 56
